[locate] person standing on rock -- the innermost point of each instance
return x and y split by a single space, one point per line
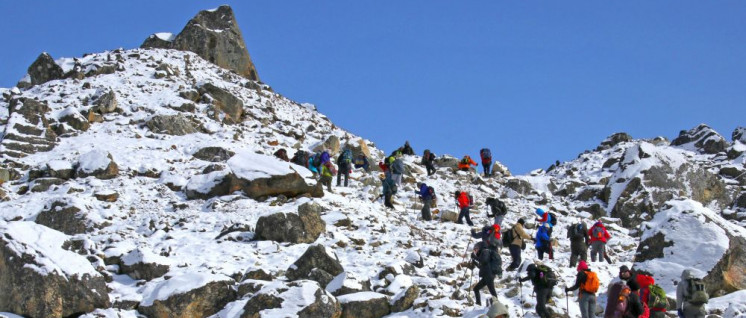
427 194
487 259
486 155
516 246
579 241
344 162
599 237
389 189
691 296
464 203
588 283
543 242
397 169
407 149
428 159
543 279
465 163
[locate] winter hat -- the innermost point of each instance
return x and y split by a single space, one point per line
582 265
623 269
633 285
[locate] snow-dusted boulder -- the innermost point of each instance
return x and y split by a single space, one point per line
739 134
364 305
65 214
403 292
614 140
648 176
228 108
177 125
316 257
520 186
304 227
60 169
359 147
75 119
27 129
213 154
669 240
144 264
106 102
347 283
41 279
97 163
44 69
188 295
303 299
702 139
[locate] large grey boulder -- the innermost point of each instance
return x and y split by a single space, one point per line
75 119
65 215
739 134
316 257
684 226
47 282
106 102
702 139
197 295
364 305
614 140
304 227
519 185
213 154
303 299
144 264
227 104
176 125
214 35
44 69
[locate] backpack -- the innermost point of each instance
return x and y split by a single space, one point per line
495 262
622 302
508 237
485 154
591 283
613 298
657 297
496 206
431 191
466 160
576 232
425 156
360 160
697 292
300 158
347 156
598 233
317 160
324 157
491 235
553 219
545 276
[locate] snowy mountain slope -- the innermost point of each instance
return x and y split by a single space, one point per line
142 215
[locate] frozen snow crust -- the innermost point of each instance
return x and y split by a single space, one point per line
153 222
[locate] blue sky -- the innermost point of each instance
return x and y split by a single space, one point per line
534 81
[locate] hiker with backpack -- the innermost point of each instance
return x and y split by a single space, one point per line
397 168
407 149
517 243
464 202
614 290
543 279
587 282
344 162
314 164
497 210
327 173
490 234
427 194
691 296
300 158
546 218
599 237
579 241
653 297
389 189
486 155
543 242
361 161
486 258
428 160
465 163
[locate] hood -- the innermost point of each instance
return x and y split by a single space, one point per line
687 274
540 212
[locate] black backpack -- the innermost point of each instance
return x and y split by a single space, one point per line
553 217
508 237
497 207
545 277
576 231
495 262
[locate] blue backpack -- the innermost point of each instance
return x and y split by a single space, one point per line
347 156
485 154
324 157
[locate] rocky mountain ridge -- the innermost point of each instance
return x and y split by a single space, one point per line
142 182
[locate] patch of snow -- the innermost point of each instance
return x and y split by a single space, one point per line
58 165
251 166
165 36
144 256
94 160
179 284
361 296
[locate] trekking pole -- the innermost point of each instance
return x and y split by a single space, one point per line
520 288
467 248
567 301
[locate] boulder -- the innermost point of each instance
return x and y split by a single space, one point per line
41 279
4 175
448 215
740 202
66 215
702 139
397 268
331 144
446 162
74 119
500 169
303 299
684 226
364 305
61 169
106 195
404 293
521 186
613 140
214 35
97 163
304 227
739 134
44 69
176 125
316 257
106 102
190 295
31 131
347 283
144 264
358 147
213 154
43 184
225 102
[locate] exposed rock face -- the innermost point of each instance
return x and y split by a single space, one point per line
106 103
44 69
214 35
176 125
304 227
279 297
34 286
364 305
684 226
315 257
214 154
97 163
226 103
359 147
702 139
75 120
210 294
31 133
64 215
405 299
613 140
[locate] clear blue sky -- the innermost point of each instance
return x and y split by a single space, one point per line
536 81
